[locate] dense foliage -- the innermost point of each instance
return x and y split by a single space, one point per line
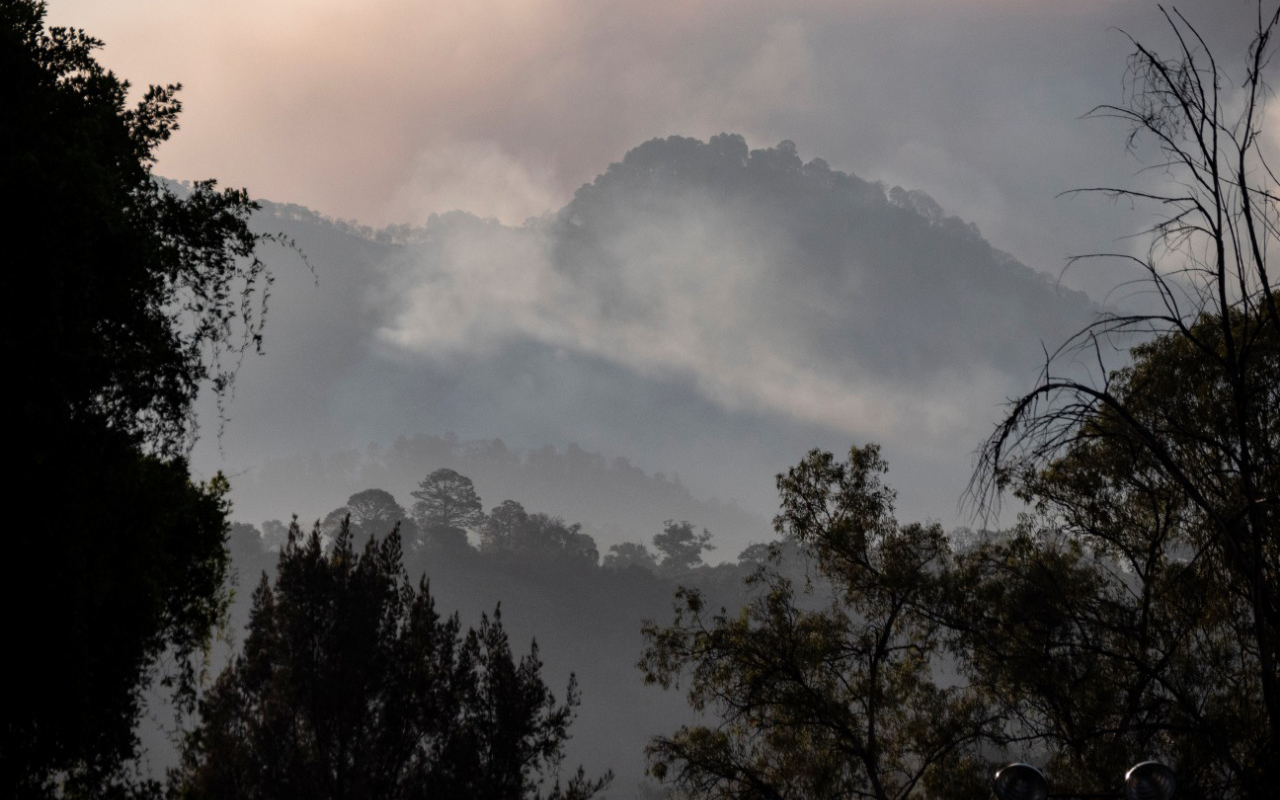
1149 591
1133 613
585 616
352 685
143 287
133 294
838 700
1109 627
446 506
1166 471
680 547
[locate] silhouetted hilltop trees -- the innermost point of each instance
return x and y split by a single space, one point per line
924 286
611 498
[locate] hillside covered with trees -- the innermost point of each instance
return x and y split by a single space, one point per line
701 309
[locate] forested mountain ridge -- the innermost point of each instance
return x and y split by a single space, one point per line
840 231
700 309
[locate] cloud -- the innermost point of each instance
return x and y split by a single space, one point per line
474 288
768 77
480 177
694 282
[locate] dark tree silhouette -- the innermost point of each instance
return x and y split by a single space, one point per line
510 529
630 554
374 512
126 296
503 525
1160 479
680 546
838 702
1135 610
551 537
351 685
447 505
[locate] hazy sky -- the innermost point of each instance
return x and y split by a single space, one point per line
387 110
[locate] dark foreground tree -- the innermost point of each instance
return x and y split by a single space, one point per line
351 685
125 297
842 700
1160 480
1116 624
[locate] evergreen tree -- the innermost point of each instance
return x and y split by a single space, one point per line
352 685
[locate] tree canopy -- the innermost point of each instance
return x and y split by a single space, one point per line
374 512
1168 468
352 685
371 512
680 546
446 506
145 288
1124 587
630 554
130 294
510 529
840 700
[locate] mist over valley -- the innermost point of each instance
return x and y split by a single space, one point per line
701 311
694 321
663 401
